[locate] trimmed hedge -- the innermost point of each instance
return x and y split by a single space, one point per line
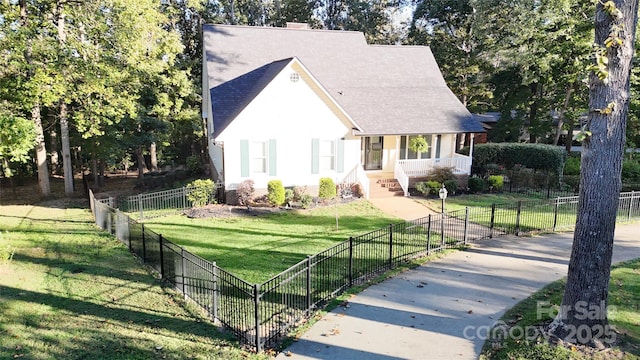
327 189
200 191
534 156
275 192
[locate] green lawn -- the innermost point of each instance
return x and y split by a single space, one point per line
256 248
70 291
624 297
454 203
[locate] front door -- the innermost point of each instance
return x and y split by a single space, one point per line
372 153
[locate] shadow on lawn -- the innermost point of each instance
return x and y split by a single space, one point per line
96 328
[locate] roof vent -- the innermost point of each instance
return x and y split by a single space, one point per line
297 26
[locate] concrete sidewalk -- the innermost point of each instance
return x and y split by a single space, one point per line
437 310
402 207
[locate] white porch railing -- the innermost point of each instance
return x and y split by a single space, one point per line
355 176
400 174
422 167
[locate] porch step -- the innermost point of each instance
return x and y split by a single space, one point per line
386 188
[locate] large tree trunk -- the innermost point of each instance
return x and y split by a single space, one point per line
582 317
41 147
67 165
141 164
41 152
154 156
67 162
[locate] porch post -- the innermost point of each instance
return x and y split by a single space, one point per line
471 153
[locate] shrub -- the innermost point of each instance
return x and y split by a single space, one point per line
534 156
476 184
496 182
275 192
521 177
306 200
327 188
572 166
357 191
494 169
573 181
288 196
193 165
245 192
428 187
200 191
441 174
630 171
298 192
451 186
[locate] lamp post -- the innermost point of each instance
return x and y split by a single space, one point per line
443 195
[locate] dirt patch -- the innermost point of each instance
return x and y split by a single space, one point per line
226 211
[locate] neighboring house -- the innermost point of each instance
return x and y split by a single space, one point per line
297 105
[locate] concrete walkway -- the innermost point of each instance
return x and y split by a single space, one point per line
402 207
437 310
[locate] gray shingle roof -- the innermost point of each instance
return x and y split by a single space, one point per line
385 89
229 98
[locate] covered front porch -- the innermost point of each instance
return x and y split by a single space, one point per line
389 158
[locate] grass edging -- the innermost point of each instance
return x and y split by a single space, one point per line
624 317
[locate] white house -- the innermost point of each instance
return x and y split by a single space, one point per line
297 105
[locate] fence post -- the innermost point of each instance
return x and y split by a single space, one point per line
350 261
518 212
390 245
309 284
215 291
144 246
161 257
184 197
184 292
442 229
630 206
256 318
429 235
140 206
493 220
466 225
555 213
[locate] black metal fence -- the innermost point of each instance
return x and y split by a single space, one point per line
262 314
155 204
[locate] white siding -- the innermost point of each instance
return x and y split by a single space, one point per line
291 114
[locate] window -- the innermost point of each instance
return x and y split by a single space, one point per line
259 157
407 153
327 155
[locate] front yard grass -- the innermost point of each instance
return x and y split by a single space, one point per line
71 291
623 315
256 248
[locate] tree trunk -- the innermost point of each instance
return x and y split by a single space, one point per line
533 112
67 163
569 142
141 164
563 111
582 317
41 152
101 169
41 147
53 147
154 157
